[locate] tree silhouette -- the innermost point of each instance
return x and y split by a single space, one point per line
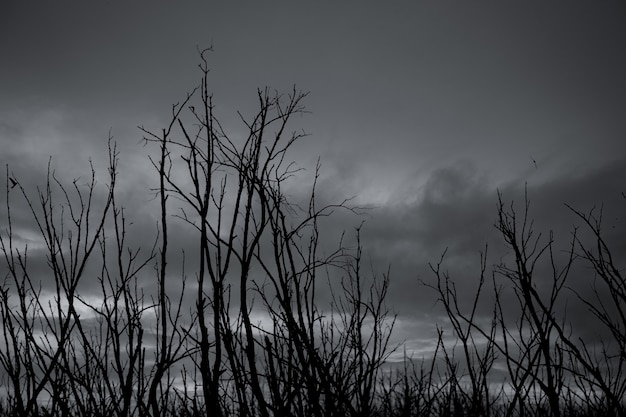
135 345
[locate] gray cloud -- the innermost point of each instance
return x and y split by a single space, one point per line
422 112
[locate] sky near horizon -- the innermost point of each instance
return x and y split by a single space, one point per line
421 110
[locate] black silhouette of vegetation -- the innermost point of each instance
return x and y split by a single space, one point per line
141 351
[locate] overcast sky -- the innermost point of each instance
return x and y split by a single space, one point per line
422 110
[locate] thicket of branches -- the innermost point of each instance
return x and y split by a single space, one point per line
551 368
137 348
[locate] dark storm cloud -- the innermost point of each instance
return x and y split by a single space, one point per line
420 111
456 211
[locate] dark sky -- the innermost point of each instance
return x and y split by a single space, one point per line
422 110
